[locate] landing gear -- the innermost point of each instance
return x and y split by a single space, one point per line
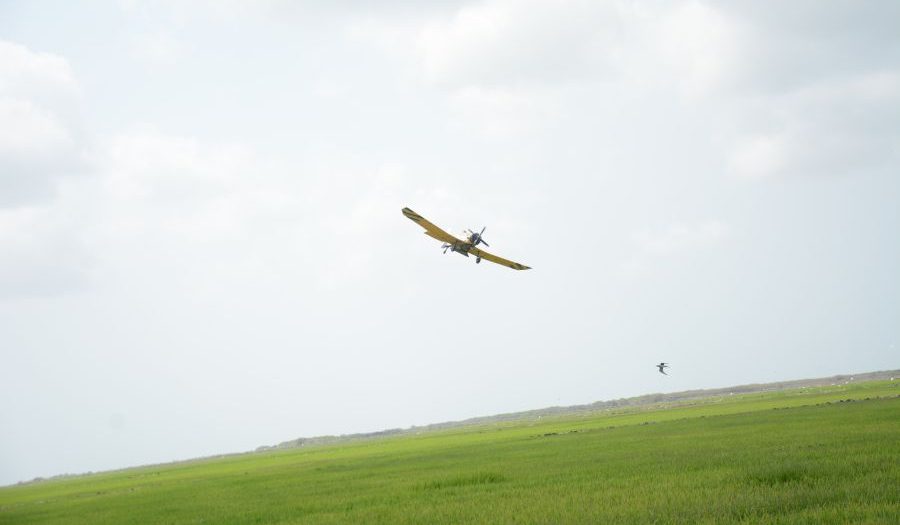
477 260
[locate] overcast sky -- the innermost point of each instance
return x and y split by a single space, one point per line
202 250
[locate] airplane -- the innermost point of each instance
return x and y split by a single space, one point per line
662 367
464 247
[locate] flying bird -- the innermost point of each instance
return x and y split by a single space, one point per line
662 367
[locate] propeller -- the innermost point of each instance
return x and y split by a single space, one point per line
476 238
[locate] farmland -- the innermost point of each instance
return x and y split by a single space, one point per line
808 455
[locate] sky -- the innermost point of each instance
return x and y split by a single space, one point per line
202 250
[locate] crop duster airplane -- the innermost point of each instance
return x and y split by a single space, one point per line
464 247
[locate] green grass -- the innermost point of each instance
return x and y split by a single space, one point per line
814 455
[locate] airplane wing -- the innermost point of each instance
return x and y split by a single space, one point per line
430 229
499 260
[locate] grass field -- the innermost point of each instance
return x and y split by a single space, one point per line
814 455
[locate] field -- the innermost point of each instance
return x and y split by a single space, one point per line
813 455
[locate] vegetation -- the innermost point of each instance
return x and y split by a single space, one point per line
812 455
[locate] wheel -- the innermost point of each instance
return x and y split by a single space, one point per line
477 260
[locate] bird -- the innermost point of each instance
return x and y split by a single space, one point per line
661 367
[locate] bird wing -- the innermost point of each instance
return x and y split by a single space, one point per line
430 229
499 260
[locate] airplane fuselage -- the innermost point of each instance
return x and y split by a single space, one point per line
461 248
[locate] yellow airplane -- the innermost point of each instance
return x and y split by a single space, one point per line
464 247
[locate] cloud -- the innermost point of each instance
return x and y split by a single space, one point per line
183 12
41 255
503 42
680 237
816 87
183 211
29 73
803 89
691 47
503 112
36 149
41 145
160 48
786 46
205 214
147 165
835 127
199 215
675 241
511 42
40 137
164 194
504 64
510 66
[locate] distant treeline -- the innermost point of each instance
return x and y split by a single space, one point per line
648 400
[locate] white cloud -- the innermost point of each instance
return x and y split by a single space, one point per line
504 112
505 64
679 237
24 72
677 240
198 214
30 130
183 12
230 214
760 155
161 48
40 253
831 127
40 145
800 99
510 66
510 42
148 165
162 194
513 43
504 42
787 46
40 138
695 46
